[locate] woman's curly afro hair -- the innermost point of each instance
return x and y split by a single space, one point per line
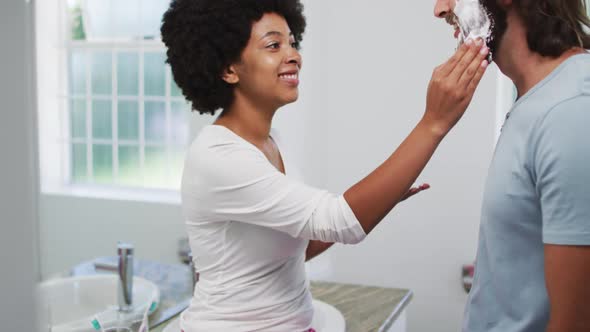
204 37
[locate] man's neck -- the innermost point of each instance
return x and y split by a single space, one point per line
527 68
524 67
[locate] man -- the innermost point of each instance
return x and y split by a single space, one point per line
533 261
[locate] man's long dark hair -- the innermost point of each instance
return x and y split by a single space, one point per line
553 26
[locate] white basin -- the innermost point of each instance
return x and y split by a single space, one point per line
326 318
71 304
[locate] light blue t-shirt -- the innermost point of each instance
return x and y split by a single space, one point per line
537 192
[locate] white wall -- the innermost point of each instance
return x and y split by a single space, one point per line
18 168
376 60
366 68
78 229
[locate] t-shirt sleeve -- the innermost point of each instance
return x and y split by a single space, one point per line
237 183
562 169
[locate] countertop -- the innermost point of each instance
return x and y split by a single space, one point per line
365 308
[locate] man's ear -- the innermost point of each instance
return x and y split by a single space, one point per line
230 75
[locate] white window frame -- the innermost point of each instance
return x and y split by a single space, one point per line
53 117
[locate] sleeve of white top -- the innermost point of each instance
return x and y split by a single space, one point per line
234 182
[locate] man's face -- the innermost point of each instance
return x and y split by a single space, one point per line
473 19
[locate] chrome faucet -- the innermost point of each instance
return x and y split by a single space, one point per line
124 269
125 252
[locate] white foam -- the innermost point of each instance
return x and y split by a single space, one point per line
473 20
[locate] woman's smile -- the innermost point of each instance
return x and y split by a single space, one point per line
291 77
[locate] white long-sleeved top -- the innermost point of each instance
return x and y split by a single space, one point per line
248 226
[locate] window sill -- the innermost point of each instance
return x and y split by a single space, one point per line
160 196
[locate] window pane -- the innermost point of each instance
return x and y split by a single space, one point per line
102 163
174 89
79 163
99 19
123 19
128 19
151 17
176 166
78 118
154 74
128 123
101 119
179 122
128 74
156 167
101 73
155 121
77 73
129 166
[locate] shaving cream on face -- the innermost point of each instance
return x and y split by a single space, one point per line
473 20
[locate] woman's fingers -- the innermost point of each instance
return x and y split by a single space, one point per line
424 186
414 190
446 68
466 60
473 68
477 77
448 95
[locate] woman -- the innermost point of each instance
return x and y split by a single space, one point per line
251 221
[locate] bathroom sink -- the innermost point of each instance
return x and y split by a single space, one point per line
73 304
326 318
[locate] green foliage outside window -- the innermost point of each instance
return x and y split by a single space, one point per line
77 23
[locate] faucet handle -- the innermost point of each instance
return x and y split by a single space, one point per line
124 249
184 250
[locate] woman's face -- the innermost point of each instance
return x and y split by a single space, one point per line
268 71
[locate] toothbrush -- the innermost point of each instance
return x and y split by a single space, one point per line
97 325
144 327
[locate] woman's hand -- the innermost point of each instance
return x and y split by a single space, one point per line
452 86
414 190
